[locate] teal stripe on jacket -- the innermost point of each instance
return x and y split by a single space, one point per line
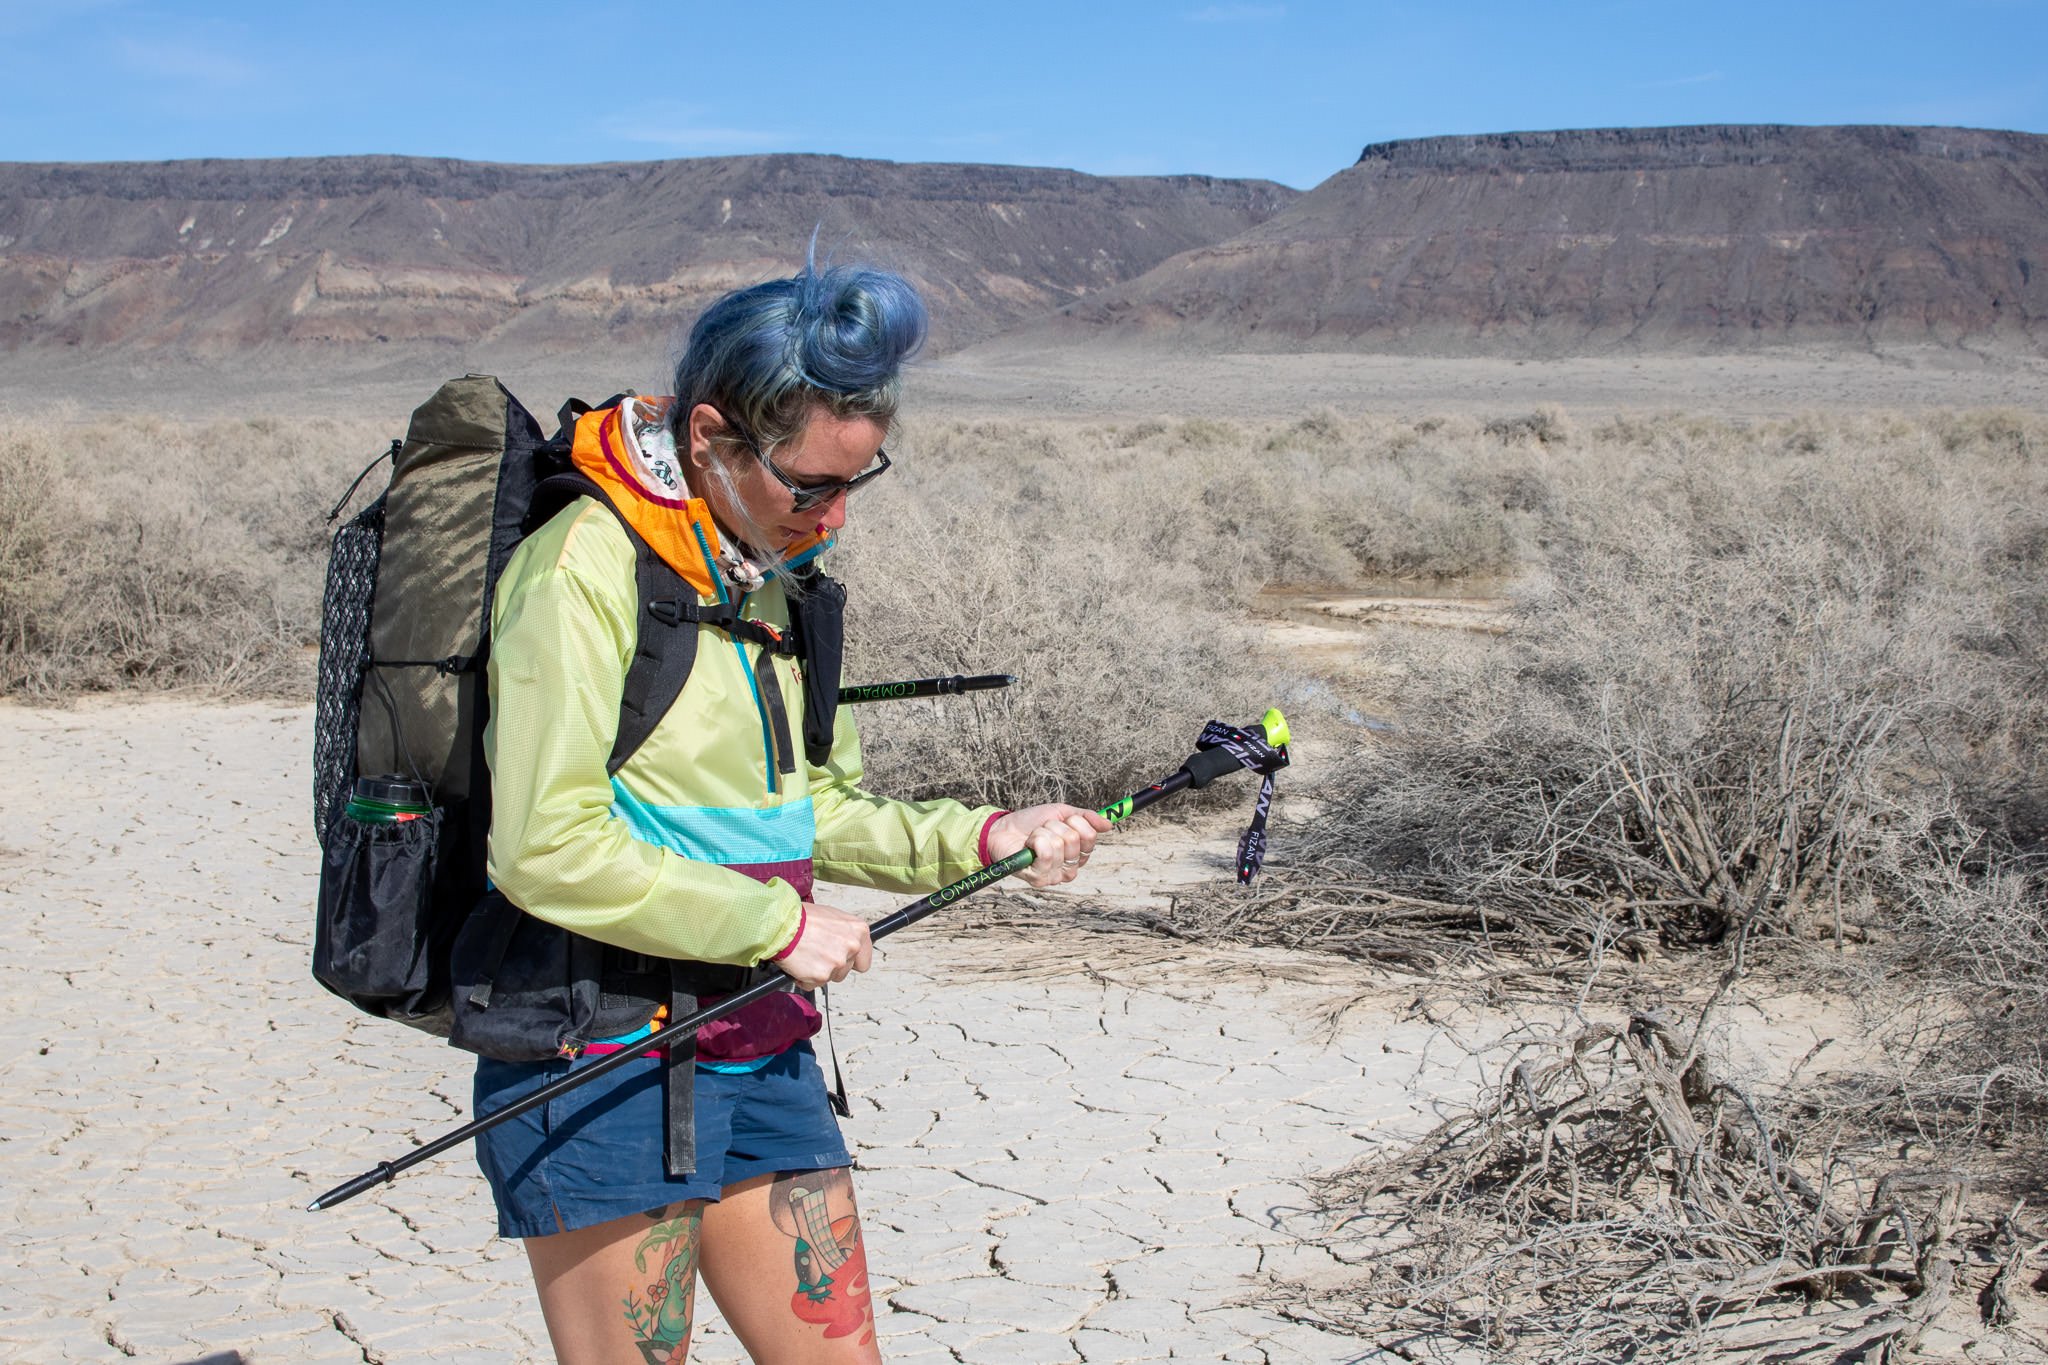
717 834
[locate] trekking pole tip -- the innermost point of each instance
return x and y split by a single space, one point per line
382 1172
1275 726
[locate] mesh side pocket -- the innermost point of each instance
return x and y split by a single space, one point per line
377 943
344 658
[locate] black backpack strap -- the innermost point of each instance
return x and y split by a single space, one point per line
567 415
665 643
665 639
778 713
679 1074
554 493
818 620
664 650
841 1105
504 919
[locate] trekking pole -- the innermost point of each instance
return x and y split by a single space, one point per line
1223 749
923 687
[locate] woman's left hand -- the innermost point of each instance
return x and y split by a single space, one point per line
1060 837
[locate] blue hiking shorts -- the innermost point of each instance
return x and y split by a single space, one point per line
596 1153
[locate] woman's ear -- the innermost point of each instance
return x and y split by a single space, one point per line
704 426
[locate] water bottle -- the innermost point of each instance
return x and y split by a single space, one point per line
387 800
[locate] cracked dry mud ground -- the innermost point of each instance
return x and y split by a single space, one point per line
1072 1147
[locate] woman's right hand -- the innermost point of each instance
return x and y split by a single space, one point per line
831 945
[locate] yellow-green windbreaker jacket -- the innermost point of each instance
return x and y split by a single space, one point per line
697 848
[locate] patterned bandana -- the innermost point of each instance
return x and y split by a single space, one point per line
651 447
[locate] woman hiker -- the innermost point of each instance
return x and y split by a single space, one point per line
699 855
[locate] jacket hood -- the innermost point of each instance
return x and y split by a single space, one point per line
649 489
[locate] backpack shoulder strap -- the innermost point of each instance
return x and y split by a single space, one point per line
818 620
665 635
664 650
665 639
556 492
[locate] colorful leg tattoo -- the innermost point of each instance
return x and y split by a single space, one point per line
816 1209
661 1320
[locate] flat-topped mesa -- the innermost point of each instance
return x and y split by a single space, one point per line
1691 146
211 178
218 257
1635 239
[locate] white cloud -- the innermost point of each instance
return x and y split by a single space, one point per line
184 60
672 125
1703 78
1235 14
36 16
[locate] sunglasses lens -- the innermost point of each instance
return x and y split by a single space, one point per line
803 497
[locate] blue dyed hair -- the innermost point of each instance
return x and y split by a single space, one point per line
769 355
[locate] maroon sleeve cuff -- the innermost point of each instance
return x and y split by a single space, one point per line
803 921
982 846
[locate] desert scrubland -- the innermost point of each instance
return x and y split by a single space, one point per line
1745 705
1643 528
1760 698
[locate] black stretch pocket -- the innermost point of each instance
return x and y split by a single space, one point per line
378 942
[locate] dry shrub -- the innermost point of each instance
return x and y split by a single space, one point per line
1615 1193
1322 429
171 555
1113 569
994 555
1547 425
1773 682
140 553
1762 685
1956 996
31 528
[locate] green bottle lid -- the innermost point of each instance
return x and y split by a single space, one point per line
387 798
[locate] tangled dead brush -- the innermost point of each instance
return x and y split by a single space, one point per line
1614 1195
1763 685
141 553
1545 834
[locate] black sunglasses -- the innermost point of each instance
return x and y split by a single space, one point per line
804 496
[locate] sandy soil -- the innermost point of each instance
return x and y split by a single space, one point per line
1100 381
1077 1144
1092 382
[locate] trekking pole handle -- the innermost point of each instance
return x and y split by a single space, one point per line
1200 769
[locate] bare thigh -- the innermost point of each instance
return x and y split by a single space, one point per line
622 1292
784 1258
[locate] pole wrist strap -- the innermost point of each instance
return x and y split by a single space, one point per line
1250 747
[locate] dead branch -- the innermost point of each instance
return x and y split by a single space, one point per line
1611 1194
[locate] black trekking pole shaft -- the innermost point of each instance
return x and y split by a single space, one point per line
923 687
1200 770
1018 861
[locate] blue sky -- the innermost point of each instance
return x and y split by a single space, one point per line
1289 90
